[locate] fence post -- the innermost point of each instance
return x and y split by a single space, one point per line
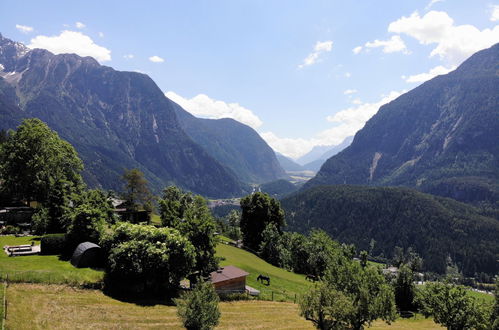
272 295
295 299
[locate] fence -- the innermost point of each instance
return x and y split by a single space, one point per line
267 295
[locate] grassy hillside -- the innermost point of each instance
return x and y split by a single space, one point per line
284 284
69 308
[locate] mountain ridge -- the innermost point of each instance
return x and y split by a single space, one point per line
440 137
115 120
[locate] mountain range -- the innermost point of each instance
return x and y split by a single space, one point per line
441 137
118 120
313 160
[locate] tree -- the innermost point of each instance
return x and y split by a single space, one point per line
145 260
191 216
37 165
233 219
35 161
137 194
350 297
405 289
272 248
452 306
326 308
494 317
198 308
363 258
91 213
258 210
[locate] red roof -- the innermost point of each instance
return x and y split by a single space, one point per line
227 273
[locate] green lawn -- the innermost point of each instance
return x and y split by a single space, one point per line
284 284
483 296
42 269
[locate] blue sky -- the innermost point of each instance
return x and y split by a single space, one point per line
302 73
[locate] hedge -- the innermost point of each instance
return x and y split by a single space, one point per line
53 244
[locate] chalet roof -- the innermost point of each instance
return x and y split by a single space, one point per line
227 273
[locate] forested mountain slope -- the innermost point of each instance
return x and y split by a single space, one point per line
436 227
235 145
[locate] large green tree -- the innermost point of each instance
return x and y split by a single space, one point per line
363 294
37 165
452 306
326 308
191 216
35 161
146 260
259 210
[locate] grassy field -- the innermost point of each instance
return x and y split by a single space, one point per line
69 308
42 269
284 284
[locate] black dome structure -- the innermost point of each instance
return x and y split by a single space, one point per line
87 254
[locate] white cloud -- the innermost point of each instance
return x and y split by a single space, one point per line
392 45
357 101
350 91
289 147
128 56
422 77
357 50
156 59
203 106
432 2
80 25
348 122
352 119
348 74
24 28
101 34
494 17
319 48
72 42
454 43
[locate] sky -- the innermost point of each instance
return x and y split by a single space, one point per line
301 73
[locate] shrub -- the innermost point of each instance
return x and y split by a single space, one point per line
10 230
198 308
53 244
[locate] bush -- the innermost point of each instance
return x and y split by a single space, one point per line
10 230
53 244
198 308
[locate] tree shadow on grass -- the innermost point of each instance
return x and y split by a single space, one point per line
136 293
141 299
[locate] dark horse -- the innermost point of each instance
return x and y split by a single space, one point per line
311 277
262 278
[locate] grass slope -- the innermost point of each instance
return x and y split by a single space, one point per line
42 269
69 308
284 284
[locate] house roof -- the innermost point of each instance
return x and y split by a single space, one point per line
227 273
